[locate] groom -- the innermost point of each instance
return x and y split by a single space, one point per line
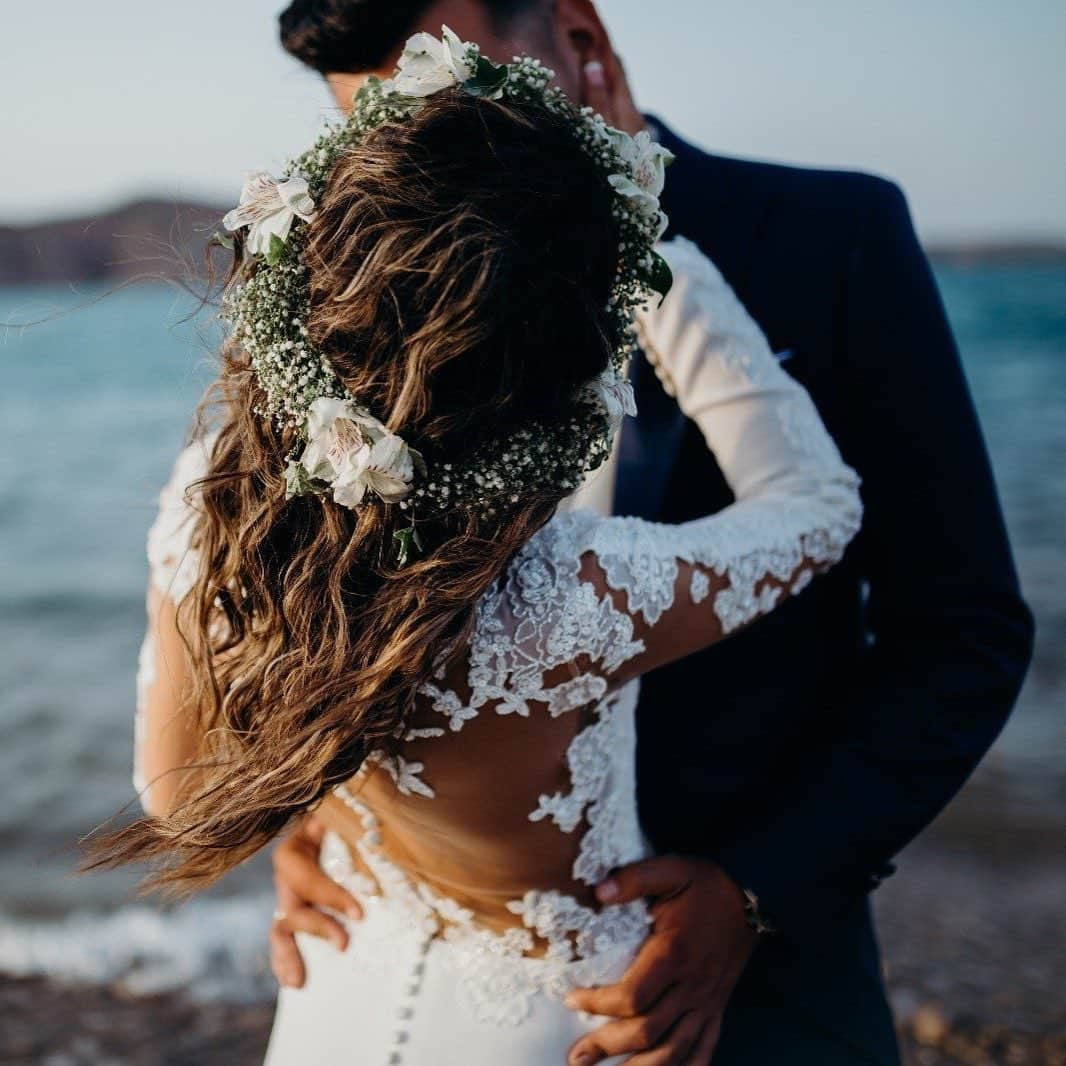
780 772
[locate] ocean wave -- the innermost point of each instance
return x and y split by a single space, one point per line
209 949
71 605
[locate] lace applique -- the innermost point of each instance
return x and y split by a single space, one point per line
406 776
743 550
336 863
596 942
588 688
700 588
632 557
603 786
496 975
448 703
539 617
737 607
173 565
393 884
423 734
589 761
747 544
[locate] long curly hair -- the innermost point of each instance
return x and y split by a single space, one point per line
460 268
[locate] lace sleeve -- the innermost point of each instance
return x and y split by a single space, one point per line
797 506
172 567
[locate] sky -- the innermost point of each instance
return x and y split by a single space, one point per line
961 101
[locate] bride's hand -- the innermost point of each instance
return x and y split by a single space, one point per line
302 889
668 1006
605 88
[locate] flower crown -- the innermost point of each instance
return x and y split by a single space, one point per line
346 450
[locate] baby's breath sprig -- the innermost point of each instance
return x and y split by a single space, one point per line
348 451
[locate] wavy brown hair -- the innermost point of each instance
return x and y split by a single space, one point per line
460 267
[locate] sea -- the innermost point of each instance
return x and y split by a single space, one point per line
98 387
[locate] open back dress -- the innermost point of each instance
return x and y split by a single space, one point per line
475 844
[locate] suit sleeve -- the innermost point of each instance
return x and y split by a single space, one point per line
950 637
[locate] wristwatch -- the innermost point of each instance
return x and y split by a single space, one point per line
753 915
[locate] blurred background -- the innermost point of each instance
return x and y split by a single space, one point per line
127 131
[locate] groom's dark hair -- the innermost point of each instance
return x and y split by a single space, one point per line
352 36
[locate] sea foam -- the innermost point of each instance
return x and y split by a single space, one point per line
209 949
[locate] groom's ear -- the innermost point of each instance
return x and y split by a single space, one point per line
580 38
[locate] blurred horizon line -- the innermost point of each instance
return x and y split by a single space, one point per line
123 237
101 207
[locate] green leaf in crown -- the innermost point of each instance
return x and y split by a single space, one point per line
276 250
299 483
407 542
660 278
489 80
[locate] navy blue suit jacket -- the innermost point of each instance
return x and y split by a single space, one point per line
803 754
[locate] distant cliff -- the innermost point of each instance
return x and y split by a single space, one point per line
168 238
146 237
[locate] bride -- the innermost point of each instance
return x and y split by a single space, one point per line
365 598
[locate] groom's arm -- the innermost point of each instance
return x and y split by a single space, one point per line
952 635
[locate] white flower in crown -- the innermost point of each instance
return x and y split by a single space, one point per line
427 65
646 159
615 395
647 162
355 454
269 207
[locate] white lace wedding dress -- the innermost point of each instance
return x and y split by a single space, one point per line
475 848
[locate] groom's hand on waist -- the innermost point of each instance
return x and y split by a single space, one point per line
668 1007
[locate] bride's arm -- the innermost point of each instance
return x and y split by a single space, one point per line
166 733
166 728
797 505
